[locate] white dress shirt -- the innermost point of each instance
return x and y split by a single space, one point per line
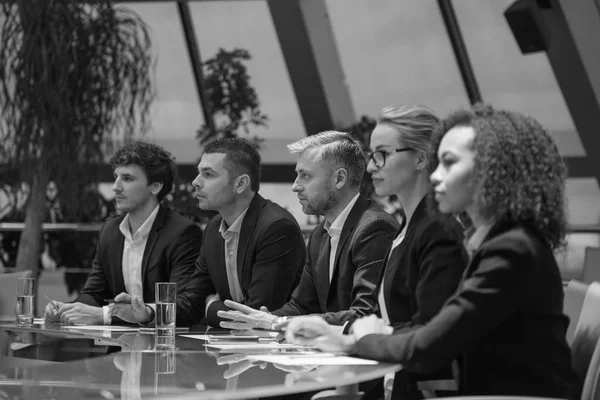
231 236
380 297
133 252
335 231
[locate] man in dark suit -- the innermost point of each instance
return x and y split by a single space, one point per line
146 244
253 250
346 251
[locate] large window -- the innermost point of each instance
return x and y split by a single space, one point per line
396 52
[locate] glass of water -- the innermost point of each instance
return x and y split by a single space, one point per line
25 300
166 293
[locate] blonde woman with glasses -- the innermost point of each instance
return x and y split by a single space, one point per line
427 257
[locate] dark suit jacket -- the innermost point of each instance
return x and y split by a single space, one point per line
420 275
271 252
366 236
425 269
505 324
172 248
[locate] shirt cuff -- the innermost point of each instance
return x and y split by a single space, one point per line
105 315
153 307
209 300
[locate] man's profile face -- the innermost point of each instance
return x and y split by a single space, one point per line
214 191
314 184
131 187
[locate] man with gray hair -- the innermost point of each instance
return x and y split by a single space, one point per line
346 252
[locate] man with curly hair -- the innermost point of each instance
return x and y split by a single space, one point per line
146 244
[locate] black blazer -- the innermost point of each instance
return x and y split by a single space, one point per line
505 324
425 269
366 236
421 273
271 252
172 247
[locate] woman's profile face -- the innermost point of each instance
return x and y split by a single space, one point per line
400 168
453 188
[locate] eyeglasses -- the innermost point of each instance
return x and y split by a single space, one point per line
379 156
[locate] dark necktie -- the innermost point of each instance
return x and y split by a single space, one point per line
323 263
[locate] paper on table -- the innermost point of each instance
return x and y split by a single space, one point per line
200 337
113 328
8 318
258 346
312 359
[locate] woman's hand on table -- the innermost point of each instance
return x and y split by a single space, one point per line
314 331
370 325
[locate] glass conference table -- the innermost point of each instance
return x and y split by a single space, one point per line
55 362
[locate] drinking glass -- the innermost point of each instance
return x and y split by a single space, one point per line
25 300
166 293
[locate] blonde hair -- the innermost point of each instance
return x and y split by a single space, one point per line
414 123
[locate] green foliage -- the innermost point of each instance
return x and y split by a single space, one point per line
232 99
74 76
362 129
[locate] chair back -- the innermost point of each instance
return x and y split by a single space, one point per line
591 385
587 332
591 265
573 303
8 294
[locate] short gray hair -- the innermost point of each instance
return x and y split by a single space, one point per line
338 150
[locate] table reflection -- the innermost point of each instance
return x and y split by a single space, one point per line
132 365
315 373
164 370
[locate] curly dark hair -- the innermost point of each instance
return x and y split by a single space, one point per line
157 163
242 157
519 175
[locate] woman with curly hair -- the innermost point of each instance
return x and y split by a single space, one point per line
505 323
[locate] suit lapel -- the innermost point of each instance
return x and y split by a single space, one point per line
248 226
161 216
496 229
357 211
391 268
116 259
389 271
